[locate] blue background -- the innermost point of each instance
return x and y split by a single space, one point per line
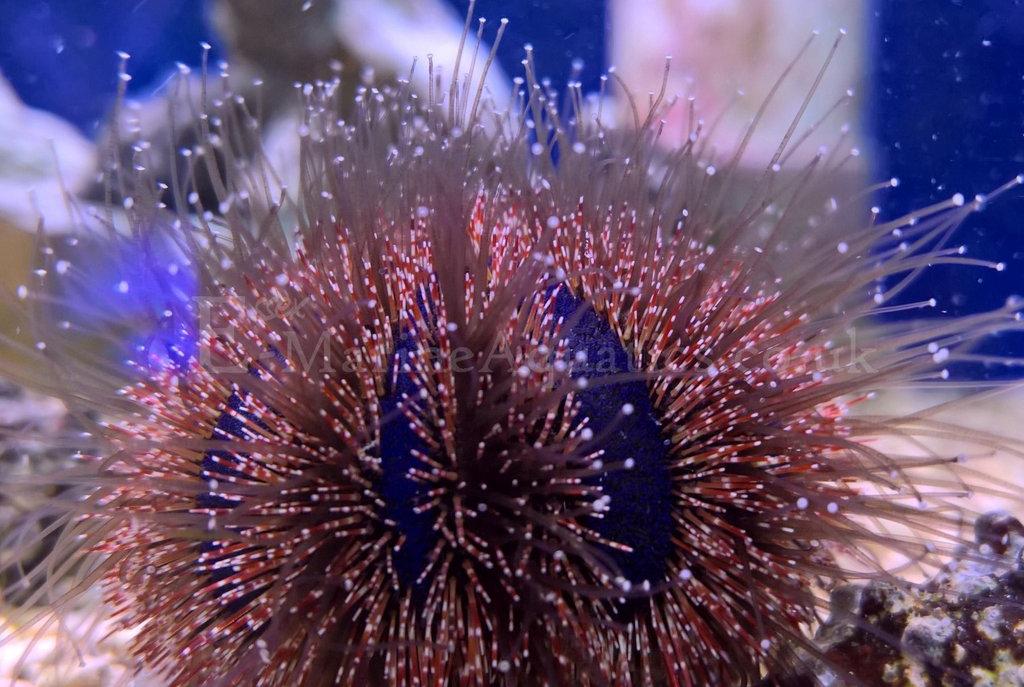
946 94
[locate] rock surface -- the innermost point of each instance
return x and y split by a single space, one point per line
962 628
38 152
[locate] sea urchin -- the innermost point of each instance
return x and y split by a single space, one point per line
495 396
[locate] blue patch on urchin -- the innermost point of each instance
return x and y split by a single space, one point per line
640 509
218 462
400 492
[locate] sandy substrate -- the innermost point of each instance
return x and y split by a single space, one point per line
84 650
